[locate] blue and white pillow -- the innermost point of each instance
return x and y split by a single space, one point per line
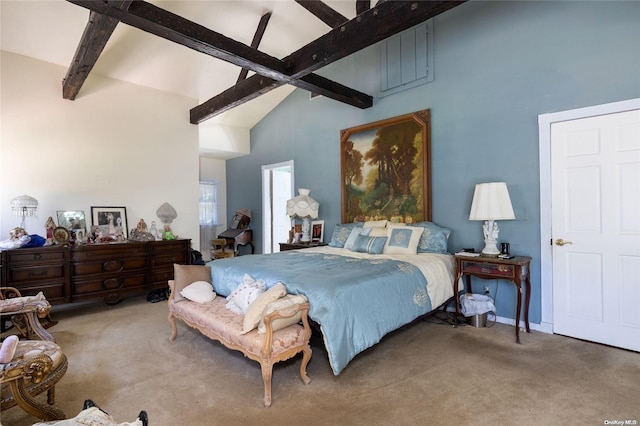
434 238
355 232
371 245
340 234
402 239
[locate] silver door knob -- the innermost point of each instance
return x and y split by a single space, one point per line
561 242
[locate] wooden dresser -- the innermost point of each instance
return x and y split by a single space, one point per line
68 274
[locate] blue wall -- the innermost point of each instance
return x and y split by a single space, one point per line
497 66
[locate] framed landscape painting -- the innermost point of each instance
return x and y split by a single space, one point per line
385 170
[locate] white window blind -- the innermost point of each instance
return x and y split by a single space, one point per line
209 215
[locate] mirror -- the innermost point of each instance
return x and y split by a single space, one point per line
72 219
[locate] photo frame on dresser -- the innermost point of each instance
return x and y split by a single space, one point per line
73 220
317 231
385 170
110 220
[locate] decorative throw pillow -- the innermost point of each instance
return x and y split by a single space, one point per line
339 236
434 238
183 275
402 240
371 245
239 301
377 232
283 303
375 224
255 310
355 232
199 291
8 349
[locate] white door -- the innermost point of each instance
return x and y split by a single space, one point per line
595 199
277 188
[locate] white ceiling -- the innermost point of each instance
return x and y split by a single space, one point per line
50 30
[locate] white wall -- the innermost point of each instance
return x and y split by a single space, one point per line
117 144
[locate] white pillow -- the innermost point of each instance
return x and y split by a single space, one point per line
254 312
377 232
199 291
239 301
284 302
402 240
375 224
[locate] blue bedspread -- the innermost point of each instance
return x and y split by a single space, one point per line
356 301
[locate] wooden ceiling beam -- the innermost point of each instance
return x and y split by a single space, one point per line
162 23
376 24
385 20
94 38
170 26
257 38
362 6
323 12
256 85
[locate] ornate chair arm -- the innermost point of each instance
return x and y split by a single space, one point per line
35 368
302 308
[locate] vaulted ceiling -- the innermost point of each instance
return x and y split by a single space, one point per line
200 48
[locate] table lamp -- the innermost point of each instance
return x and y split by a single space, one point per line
23 206
305 208
491 202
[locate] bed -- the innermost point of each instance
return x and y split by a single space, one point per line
356 297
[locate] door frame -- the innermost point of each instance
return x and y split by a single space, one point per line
266 203
545 121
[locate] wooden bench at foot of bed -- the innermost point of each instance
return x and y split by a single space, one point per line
217 322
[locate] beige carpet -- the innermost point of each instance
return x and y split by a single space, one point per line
426 373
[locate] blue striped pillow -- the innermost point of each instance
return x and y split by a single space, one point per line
371 245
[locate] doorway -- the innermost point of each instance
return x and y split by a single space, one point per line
277 188
590 227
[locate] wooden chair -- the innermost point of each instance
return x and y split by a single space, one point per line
31 368
220 250
25 313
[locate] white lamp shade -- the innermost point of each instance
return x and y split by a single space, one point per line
491 201
303 205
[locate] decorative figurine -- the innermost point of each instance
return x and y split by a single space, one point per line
168 235
142 226
154 230
49 226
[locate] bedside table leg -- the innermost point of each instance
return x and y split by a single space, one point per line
518 309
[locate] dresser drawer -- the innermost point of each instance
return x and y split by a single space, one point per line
162 247
167 261
28 256
93 252
108 266
17 275
115 283
471 267
53 290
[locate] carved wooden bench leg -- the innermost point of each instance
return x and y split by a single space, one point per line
267 371
174 329
306 357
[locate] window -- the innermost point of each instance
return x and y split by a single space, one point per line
209 215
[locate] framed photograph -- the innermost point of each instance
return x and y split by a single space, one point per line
385 170
317 231
73 220
110 220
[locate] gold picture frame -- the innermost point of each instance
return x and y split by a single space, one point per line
385 170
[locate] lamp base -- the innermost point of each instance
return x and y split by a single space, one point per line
306 230
490 229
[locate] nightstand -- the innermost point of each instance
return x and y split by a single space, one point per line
296 246
514 270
